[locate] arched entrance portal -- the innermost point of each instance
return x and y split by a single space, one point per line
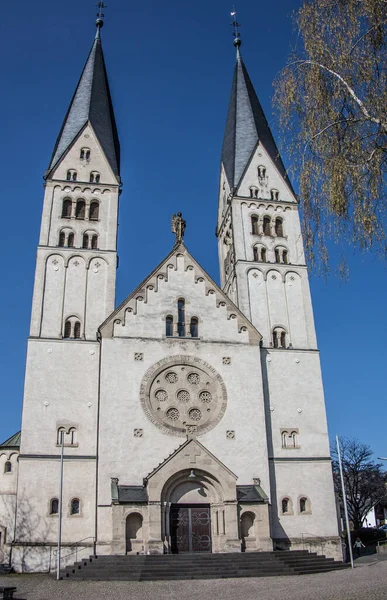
190 518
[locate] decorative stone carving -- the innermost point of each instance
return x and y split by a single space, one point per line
230 434
256 481
138 433
183 391
226 360
138 356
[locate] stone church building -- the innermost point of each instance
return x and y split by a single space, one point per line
193 415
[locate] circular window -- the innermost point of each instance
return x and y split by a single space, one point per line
190 372
183 396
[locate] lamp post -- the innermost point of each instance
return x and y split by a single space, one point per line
58 555
345 502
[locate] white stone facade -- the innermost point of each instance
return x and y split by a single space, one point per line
186 395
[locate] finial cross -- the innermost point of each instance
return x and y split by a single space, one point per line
100 6
235 25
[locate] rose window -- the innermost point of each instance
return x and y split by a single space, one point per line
205 396
172 414
181 384
195 414
171 377
193 378
183 396
161 395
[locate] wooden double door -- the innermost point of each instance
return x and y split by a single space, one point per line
190 528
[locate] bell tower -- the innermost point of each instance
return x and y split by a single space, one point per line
75 276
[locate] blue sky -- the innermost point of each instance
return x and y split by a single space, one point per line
170 67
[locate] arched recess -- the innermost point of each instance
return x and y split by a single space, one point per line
247 530
54 277
75 289
133 533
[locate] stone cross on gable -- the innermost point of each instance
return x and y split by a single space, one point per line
192 452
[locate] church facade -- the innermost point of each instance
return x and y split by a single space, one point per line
192 416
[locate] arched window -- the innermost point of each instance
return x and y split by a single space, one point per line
283 339
279 338
94 242
256 254
285 505
181 317
261 172
62 239
8 467
94 211
285 258
95 177
293 439
54 506
277 255
74 506
284 439
61 432
169 326
253 192
304 505
274 194
85 154
80 209
266 226
66 208
71 175
263 254
194 327
70 240
254 225
279 231
67 330
77 330
72 436
85 241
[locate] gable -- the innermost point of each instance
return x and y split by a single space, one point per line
144 312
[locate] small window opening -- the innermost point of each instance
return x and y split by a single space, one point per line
54 506
74 509
194 327
67 330
303 503
85 154
279 338
66 208
95 177
169 326
261 172
279 231
94 242
254 225
277 255
61 433
72 436
274 194
181 317
85 241
285 505
94 211
77 330
263 254
8 467
71 175
62 239
80 209
70 240
266 226
285 258
256 254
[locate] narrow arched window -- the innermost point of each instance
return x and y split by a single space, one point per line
169 326
181 317
256 254
94 211
77 330
67 330
74 177
70 240
91 178
97 178
279 231
293 439
266 226
277 255
71 175
80 209
285 505
72 436
263 254
66 208
274 194
261 172
283 339
60 433
74 507
8 467
68 176
87 154
94 242
54 506
284 436
254 225
194 327
82 154
285 257
62 239
85 241
303 504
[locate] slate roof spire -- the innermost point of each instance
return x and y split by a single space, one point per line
246 125
91 103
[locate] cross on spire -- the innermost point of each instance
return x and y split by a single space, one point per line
236 25
100 16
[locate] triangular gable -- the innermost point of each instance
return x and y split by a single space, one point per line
151 283
190 448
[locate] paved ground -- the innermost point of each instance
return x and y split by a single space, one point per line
367 581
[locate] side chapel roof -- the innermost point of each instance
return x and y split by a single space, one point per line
13 441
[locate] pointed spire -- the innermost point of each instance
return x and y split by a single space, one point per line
91 103
246 125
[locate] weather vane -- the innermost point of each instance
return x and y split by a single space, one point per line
100 14
178 227
236 25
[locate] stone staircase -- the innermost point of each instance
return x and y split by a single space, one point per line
199 566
